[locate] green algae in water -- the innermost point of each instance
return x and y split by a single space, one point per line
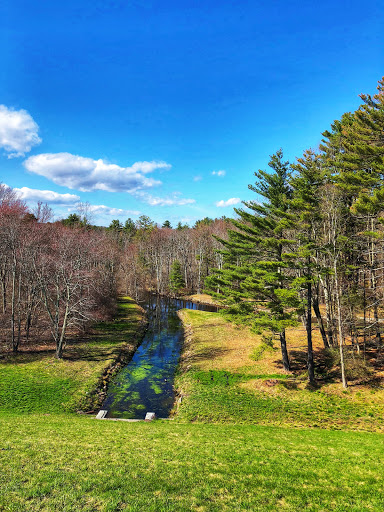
146 383
156 388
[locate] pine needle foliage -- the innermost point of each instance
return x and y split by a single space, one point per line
256 283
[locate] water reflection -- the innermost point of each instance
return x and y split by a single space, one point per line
146 383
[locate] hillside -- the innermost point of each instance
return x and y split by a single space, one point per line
229 375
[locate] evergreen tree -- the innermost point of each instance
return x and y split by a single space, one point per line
365 155
176 279
115 226
129 229
207 221
145 223
181 226
72 221
354 150
167 224
255 282
306 183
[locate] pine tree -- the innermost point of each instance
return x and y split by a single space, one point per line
176 279
307 182
129 229
354 152
115 226
254 281
366 154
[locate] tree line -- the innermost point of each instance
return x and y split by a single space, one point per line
310 244
166 260
313 242
52 279
59 277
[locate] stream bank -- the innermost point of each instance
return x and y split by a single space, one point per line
126 330
146 383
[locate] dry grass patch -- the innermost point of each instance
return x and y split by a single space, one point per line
202 298
228 374
220 344
217 344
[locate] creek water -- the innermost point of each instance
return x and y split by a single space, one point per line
146 383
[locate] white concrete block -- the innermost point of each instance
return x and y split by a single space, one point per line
101 414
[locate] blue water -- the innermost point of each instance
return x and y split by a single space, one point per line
146 383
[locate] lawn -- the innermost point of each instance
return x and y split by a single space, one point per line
34 380
228 375
76 463
240 441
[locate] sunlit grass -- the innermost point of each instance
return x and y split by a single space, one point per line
224 460
203 298
220 380
69 463
37 381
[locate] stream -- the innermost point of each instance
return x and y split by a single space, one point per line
146 383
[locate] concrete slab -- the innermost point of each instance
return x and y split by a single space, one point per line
101 414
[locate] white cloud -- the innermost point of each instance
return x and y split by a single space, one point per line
101 209
229 202
86 174
219 173
174 200
197 178
46 196
70 200
18 131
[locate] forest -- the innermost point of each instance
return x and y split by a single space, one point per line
309 244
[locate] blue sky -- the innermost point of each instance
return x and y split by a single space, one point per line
167 108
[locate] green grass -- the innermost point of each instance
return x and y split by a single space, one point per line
71 463
221 382
210 401
37 382
226 451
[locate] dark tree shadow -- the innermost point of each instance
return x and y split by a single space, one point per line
207 354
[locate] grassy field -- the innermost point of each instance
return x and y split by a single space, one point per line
71 463
35 381
230 448
229 375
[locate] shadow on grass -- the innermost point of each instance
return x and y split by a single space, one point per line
26 356
77 354
327 368
104 341
326 372
207 354
101 354
290 384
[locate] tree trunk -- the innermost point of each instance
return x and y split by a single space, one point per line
14 344
365 315
4 292
19 312
316 309
284 351
61 341
340 329
310 362
329 312
374 285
